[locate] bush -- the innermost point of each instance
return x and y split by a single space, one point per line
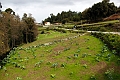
103 29
80 31
60 30
111 40
42 32
47 29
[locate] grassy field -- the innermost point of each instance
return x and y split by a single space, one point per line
101 23
49 36
68 57
92 24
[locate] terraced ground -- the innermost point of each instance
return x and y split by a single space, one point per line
61 56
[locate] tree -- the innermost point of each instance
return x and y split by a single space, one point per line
13 31
99 11
63 21
9 10
30 31
64 17
24 17
112 9
4 47
118 10
53 18
86 14
106 1
80 15
0 7
12 23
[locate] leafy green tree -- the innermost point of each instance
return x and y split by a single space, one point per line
63 21
86 14
106 1
64 17
80 15
112 9
99 11
118 10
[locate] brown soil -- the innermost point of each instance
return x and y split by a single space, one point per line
83 62
113 17
101 67
98 67
58 49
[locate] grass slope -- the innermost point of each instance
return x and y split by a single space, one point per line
73 58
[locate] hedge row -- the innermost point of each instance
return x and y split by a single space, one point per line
60 30
111 40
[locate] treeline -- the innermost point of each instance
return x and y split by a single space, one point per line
15 31
64 17
97 12
100 10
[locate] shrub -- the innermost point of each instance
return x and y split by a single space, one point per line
109 74
92 77
47 29
60 30
111 40
103 29
54 65
18 78
79 31
42 32
84 55
85 66
63 65
52 75
71 73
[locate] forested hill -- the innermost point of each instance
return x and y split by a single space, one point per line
97 12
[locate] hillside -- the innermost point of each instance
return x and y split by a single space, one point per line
64 56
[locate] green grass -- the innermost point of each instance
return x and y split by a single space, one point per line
71 59
49 36
100 23
105 26
92 24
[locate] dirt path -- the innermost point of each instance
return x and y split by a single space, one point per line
104 32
